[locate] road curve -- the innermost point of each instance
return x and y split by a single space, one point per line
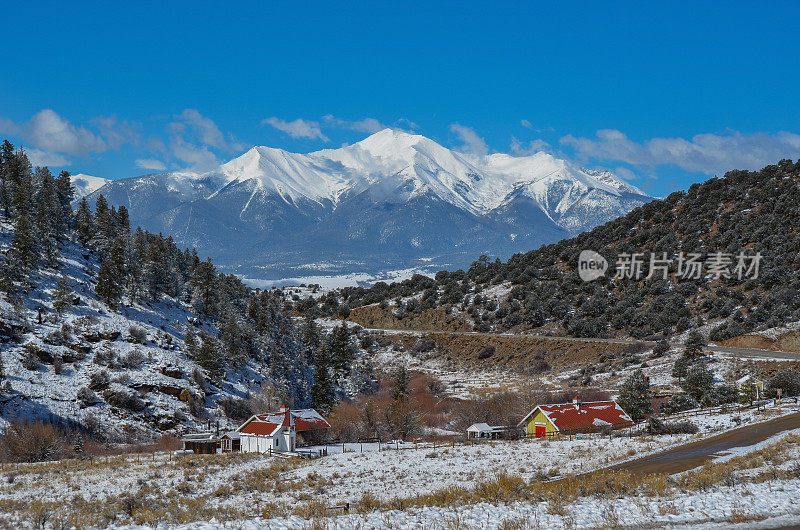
695 454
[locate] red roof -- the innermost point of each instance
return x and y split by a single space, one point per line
583 416
256 426
304 420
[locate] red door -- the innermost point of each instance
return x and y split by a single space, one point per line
541 431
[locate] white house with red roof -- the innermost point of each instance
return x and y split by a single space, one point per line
278 431
575 417
266 433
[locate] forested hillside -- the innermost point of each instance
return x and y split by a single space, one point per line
743 212
102 323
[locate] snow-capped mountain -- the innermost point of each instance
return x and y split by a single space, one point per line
86 184
390 201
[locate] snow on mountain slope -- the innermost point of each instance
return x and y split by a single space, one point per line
86 184
386 202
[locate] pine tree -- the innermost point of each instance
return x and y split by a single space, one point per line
103 225
694 345
699 382
190 340
232 339
209 357
680 367
64 193
85 223
111 277
401 390
77 444
341 349
634 396
48 216
62 295
204 285
322 395
22 256
6 183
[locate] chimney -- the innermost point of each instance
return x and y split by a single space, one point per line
576 402
282 409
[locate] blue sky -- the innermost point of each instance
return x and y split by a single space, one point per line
665 96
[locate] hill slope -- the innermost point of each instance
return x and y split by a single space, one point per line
743 212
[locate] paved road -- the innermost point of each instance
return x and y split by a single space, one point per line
745 353
696 454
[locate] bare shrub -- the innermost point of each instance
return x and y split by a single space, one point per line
137 335
126 400
30 360
32 442
235 408
99 380
133 360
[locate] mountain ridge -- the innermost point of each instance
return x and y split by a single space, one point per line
271 205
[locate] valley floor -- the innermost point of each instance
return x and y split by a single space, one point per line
498 484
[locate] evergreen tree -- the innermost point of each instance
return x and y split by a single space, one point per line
103 225
204 285
190 340
341 349
64 193
62 295
694 345
85 223
680 367
232 340
6 182
48 216
322 394
699 382
634 396
111 277
22 256
401 390
77 444
22 183
209 357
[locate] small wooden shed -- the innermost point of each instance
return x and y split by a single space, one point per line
203 443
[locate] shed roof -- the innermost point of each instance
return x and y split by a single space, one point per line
578 416
484 427
199 436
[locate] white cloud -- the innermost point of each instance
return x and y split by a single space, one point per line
367 125
46 158
472 142
406 124
625 173
50 132
534 146
198 157
526 124
202 128
707 153
298 128
115 132
151 164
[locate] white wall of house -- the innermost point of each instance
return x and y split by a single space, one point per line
283 440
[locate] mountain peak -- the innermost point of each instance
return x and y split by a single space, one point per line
390 140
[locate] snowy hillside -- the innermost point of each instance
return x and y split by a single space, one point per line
392 201
125 372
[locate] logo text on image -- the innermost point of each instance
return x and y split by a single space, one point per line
591 265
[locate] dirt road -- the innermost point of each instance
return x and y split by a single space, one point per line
696 454
745 353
